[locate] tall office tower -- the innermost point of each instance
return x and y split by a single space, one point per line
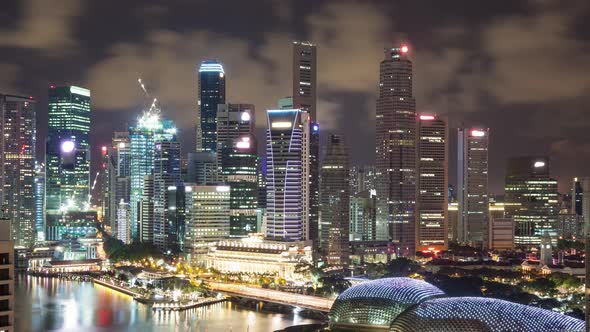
123 230
67 160
286 103
166 175
121 153
207 219
304 98
108 182
287 152
211 93
233 122
6 276
363 216
261 173
176 218
146 211
40 202
531 199
432 184
472 186
335 202
396 151
17 166
501 234
453 217
304 77
239 164
577 197
142 147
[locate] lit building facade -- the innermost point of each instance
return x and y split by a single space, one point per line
211 89
67 159
577 197
255 255
176 218
40 201
335 202
17 166
207 219
363 216
532 199
202 168
472 186
501 234
239 165
395 159
287 152
123 229
6 277
432 184
233 122
142 150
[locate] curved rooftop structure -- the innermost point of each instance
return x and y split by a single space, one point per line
375 304
409 305
478 314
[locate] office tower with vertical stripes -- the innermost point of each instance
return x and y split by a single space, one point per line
472 186
395 160
17 166
432 184
287 153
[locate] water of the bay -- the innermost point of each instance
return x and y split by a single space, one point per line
43 304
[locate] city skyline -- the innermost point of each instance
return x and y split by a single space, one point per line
336 96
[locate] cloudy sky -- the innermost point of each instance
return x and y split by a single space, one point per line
520 68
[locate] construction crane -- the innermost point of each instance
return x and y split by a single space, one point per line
155 105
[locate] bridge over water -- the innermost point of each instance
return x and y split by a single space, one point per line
268 295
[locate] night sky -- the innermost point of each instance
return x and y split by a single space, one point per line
520 68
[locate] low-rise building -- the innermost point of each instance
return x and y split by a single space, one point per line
255 255
6 277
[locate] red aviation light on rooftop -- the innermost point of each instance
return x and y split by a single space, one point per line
426 117
52 86
405 49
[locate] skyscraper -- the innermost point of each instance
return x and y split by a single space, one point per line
207 219
122 187
577 197
304 98
6 276
67 168
335 202
239 165
472 186
211 93
17 167
531 199
432 184
146 211
143 137
395 159
166 175
123 231
234 121
287 152
68 151
40 201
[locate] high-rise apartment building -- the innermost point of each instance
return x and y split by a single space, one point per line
395 160
67 161
17 166
432 184
287 153
335 202
207 219
6 277
531 199
211 87
472 186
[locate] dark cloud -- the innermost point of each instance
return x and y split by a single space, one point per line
518 67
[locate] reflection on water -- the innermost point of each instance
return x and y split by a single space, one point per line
50 304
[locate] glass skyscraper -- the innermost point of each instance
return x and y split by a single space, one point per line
211 93
67 158
142 140
17 168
